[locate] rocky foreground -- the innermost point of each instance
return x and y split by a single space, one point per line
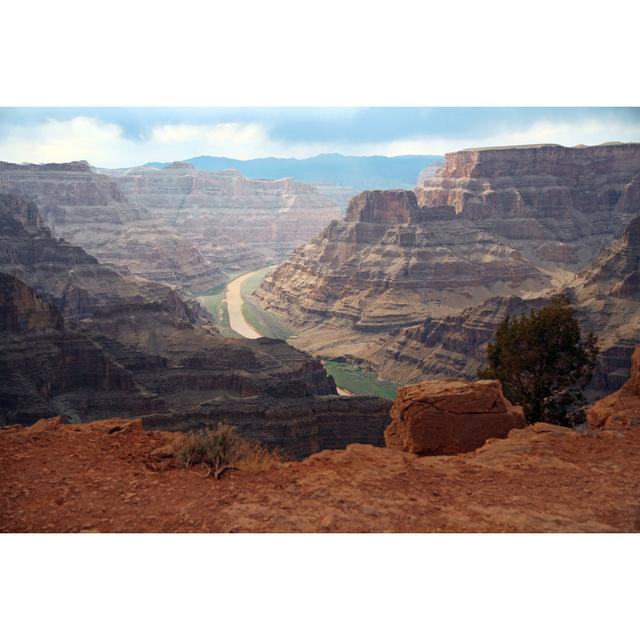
114 476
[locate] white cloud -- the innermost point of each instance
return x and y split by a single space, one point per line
587 132
104 144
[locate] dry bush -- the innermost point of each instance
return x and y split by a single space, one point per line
221 448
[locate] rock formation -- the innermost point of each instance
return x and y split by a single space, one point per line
383 268
603 295
75 330
413 285
444 417
236 223
88 210
622 408
46 368
297 426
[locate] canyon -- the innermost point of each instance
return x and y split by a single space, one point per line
80 334
174 225
89 210
111 358
412 284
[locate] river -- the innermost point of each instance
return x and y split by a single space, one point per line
238 322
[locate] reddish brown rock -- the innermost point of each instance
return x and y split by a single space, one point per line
445 417
622 408
384 207
45 424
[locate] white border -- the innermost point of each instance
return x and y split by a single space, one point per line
334 53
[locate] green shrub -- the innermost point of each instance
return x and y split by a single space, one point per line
544 363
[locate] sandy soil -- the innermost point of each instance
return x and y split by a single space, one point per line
113 476
234 308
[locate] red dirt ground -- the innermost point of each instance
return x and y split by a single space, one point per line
113 476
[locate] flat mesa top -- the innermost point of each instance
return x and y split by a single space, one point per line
549 144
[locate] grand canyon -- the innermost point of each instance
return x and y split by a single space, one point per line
334 313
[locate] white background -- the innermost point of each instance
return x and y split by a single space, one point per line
282 53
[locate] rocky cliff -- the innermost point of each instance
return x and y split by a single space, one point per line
622 408
605 298
385 267
89 210
414 284
145 341
235 222
48 369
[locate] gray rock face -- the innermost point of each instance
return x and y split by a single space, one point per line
237 223
89 210
47 369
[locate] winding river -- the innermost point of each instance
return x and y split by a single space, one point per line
238 322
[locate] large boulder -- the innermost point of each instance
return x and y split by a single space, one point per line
445 417
622 408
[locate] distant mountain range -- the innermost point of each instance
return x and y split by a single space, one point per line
358 172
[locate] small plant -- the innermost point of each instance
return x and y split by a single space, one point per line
221 449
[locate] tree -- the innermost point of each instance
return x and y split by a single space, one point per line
544 363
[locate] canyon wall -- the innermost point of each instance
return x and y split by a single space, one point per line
412 285
75 332
89 210
237 223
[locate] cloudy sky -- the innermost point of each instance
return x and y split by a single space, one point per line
122 137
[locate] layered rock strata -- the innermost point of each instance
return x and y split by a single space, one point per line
47 369
603 295
75 332
414 285
89 210
445 417
236 222
297 426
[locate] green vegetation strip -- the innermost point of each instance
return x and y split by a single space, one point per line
216 305
358 381
253 282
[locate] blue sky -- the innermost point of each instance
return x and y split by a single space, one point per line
118 137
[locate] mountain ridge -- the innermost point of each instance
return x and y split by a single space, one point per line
360 172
